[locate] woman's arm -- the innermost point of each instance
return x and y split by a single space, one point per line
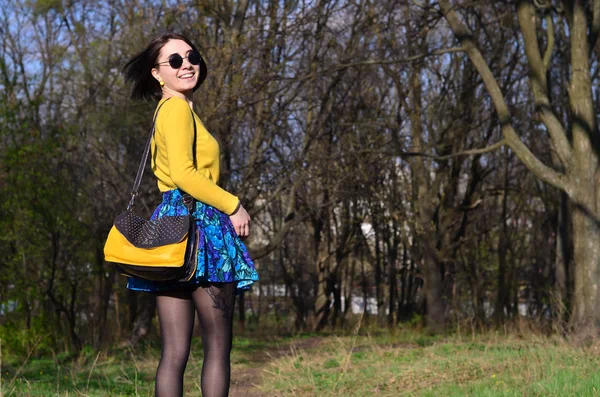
177 125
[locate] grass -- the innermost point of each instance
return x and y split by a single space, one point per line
123 372
411 365
382 364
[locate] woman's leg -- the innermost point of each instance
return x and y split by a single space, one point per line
214 304
176 317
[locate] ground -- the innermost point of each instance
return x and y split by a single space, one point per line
365 363
246 381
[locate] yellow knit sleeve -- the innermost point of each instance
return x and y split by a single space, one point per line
178 130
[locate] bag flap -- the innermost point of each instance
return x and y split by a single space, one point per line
162 231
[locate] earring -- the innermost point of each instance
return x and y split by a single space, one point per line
162 83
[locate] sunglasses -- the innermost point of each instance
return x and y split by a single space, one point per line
176 60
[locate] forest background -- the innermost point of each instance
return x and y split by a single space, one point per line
422 163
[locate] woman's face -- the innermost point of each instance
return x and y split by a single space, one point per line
183 79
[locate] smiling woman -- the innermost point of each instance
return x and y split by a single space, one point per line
179 72
185 160
149 68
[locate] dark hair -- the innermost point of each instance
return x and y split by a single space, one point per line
138 70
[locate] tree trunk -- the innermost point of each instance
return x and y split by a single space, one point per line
143 321
502 301
405 295
242 311
337 299
392 276
435 317
586 302
379 282
322 299
586 231
106 284
349 288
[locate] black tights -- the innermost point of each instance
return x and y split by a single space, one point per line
214 305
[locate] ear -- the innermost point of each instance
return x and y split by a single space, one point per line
155 74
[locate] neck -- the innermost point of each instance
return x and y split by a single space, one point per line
168 93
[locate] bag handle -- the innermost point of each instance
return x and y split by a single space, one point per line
140 172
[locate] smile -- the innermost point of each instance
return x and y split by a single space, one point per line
186 76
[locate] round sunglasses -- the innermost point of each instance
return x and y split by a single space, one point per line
176 60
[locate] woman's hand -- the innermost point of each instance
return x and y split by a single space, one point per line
241 221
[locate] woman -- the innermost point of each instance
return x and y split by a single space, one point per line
185 158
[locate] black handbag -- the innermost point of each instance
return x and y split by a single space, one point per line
163 249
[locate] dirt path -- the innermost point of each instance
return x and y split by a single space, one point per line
244 382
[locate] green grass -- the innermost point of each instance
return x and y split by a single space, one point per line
405 364
123 372
408 365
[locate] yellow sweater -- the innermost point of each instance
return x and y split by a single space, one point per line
172 156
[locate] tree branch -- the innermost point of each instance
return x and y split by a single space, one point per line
539 82
469 152
550 41
401 60
343 66
467 41
238 17
595 28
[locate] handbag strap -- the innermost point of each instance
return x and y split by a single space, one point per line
140 172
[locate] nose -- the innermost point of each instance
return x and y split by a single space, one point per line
186 63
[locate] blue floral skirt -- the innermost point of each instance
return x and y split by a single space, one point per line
222 256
